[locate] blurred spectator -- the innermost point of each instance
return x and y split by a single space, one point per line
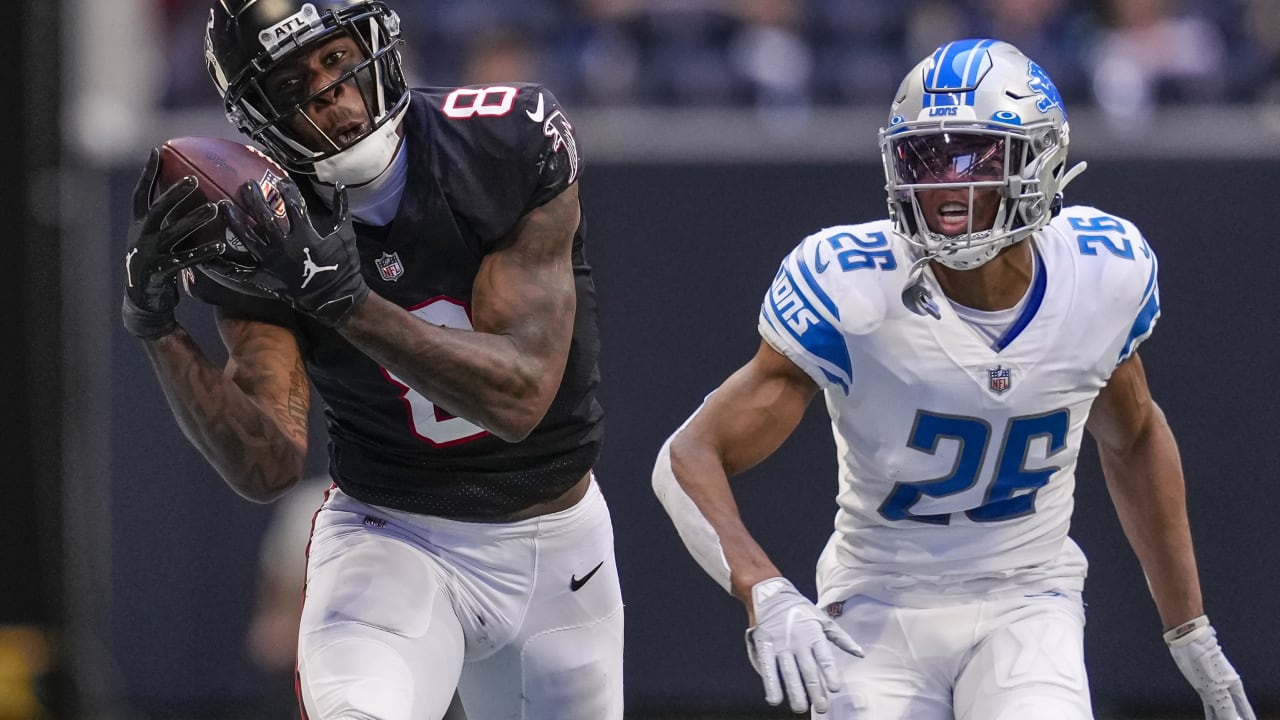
1262 27
1052 31
770 54
860 49
447 42
659 53
501 55
1126 55
1151 52
695 53
1262 20
931 23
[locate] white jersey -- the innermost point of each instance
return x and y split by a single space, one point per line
957 455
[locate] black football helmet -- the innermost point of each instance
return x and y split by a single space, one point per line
246 39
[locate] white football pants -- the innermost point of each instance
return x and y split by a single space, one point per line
1008 659
523 618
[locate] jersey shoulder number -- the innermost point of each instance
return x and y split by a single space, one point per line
830 286
499 151
524 115
479 101
1116 267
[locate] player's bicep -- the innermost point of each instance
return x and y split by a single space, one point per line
263 360
525 287
1123 411
757 408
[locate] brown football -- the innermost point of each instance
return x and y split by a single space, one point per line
222 167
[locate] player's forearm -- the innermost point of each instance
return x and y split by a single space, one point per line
487 378
701 475
253 454
1146 485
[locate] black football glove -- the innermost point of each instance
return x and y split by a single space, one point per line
316 271
238 273
152 259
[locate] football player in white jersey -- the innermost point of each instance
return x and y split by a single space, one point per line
962 347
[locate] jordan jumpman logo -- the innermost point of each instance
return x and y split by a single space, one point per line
310 268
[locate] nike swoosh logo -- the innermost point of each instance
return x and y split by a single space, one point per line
818 263
575 583
536 115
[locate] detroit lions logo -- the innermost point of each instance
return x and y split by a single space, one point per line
1040 84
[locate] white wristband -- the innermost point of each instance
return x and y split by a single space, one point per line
1187 631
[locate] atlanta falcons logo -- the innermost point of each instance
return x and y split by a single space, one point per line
557 128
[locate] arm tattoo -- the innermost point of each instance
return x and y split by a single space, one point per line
503 375
250 422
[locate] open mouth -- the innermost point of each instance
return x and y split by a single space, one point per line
953 218
347 133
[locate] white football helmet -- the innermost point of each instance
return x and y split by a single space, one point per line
976 114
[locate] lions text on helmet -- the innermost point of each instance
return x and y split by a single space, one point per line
319 84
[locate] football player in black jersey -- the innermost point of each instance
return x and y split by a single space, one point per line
431 282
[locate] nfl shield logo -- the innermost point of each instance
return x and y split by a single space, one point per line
389 267
271 191
999 379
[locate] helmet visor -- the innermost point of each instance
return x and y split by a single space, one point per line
950 157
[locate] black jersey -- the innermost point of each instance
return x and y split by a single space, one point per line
479 158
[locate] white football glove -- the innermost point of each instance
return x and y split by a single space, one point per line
791 642
1195 649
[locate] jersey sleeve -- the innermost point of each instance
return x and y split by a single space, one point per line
503 150
799 319
1148 312
827 293
1119 271
550 148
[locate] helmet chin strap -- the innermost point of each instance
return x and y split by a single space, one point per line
364 160
915 296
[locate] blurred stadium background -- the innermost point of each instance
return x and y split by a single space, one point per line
716 133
